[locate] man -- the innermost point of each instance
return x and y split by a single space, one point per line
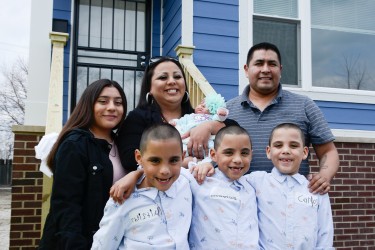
264 104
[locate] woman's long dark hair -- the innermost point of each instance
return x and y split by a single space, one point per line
186 107
83 114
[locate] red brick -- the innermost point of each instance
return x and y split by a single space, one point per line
342 151
31 235
15 220
31 144
366 145
351 243
365 158
22 211
23 197
23 182
20 242
20 137
29 159
24 152
34 189
350 182
22 227
357 163
17 175
33 204
24 167
19 144
351 157
358 151
32 219
18 159
35 174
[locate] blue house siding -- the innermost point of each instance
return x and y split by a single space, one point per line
172 16
156 28
354 116
215 38
62 10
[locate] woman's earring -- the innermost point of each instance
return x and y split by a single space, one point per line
147 98
187 97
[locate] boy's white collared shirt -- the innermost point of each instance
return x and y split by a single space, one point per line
290 217
224 213
149 219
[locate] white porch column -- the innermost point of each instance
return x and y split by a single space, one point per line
54 106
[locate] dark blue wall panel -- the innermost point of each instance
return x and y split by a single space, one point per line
171 26
62 10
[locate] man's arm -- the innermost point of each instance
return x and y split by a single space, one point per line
329 165
199 136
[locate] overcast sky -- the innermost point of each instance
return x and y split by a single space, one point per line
14 30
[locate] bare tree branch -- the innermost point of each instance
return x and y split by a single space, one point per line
13 94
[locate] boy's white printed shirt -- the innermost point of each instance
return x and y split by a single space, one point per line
224 214
290 217
149 219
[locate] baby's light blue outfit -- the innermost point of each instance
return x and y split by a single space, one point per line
189 121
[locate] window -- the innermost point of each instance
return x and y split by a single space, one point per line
112 41
342 41
275 22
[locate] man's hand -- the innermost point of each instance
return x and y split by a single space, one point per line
199 135
318 184
329 165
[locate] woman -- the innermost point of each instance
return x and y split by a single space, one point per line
85 163
163 97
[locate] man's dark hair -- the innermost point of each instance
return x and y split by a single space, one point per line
262 46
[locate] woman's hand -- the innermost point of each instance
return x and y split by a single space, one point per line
123 188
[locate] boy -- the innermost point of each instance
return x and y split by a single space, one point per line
224 206
290 217
158 213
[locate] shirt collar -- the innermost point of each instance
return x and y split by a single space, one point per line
236 184
280 177
245 95
152 192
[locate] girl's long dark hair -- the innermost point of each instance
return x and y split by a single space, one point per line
83 114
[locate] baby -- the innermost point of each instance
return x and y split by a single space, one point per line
211 108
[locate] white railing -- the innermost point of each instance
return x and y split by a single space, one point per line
198 86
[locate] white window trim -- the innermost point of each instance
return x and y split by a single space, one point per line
187 23
315 93
357 136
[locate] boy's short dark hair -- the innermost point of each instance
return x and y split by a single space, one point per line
159 132
230 130
287 125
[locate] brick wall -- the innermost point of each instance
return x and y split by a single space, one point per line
27 182
352 194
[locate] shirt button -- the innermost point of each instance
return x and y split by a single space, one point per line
95 167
